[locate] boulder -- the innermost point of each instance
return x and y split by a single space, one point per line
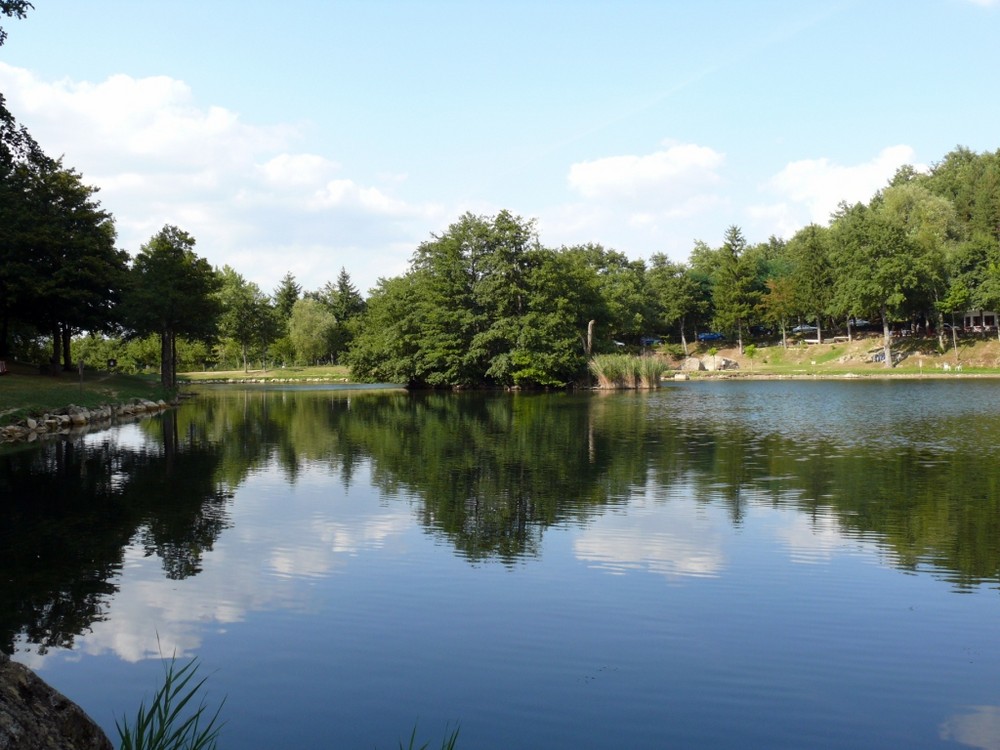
34 716
715 362
692 364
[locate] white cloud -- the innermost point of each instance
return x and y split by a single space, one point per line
294 170
819 185
661 178
640 204
675 540
243 191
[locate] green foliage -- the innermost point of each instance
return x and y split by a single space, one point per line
875 268
172 721
677 295
311 329
733 294
285 296
809 283
248 318
621 302
346 305
481 305
59 268
172 292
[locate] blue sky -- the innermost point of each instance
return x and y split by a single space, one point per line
310 135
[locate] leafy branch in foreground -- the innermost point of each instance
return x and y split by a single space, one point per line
163 724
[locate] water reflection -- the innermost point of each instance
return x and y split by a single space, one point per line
980 729
652 481
72 507
673 539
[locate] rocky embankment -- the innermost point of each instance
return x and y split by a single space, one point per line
75 419
34 716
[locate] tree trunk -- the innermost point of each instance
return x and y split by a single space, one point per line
590 336
168 362
684 343
56 350
886 337
67 355
173 359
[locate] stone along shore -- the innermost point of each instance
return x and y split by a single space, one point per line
77 419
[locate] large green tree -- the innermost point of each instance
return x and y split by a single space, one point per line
311 329
811 275
80 272
931 225
345 302
248 318
676 293
875 269
387 347
172 292
628 307
734 295
21 163
482 304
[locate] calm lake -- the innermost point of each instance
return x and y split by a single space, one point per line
769 564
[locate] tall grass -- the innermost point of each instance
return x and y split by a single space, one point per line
651 369
172 721
626 371
448 743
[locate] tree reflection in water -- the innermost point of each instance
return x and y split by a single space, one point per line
491 473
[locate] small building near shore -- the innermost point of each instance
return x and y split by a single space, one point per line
973 319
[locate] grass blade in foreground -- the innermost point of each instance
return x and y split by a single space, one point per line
162 725
448 743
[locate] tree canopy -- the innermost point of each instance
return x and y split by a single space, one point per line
172 292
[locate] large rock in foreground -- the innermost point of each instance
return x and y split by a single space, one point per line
34 716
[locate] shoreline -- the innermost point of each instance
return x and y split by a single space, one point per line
75 420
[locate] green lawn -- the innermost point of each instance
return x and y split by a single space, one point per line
23 392
323 372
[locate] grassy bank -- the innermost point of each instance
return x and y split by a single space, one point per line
338 373
918 357
23 392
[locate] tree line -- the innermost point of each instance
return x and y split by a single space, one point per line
65 286
484 302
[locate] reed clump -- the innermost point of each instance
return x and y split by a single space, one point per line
618 371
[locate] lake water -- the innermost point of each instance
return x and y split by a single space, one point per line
768 564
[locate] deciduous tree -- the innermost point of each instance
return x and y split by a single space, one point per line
172 292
